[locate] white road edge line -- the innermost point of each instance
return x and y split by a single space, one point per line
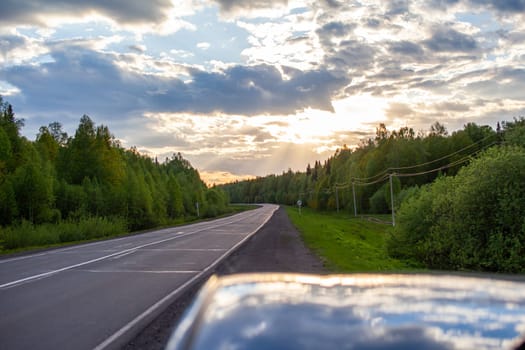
142 271
82 245
49 273
168 298
57 251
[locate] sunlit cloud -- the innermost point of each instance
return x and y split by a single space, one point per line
203 45
221 177
255 87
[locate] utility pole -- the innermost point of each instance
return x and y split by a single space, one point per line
353 191
392 201
337 198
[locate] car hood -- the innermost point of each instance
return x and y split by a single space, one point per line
365 311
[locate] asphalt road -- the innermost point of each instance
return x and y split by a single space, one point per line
98 295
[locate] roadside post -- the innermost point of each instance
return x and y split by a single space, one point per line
197 206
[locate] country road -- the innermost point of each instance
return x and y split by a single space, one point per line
98 295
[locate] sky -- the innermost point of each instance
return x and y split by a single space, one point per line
250 88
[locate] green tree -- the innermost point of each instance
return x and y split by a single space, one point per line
92 153
175 204
8 205
514 132
471 221
47 145
11 127
33 192
5 152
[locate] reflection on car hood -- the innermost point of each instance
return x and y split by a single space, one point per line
289 311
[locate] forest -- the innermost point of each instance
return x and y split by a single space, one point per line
459 198
62 188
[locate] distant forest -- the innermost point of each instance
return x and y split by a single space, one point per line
459 198
89 180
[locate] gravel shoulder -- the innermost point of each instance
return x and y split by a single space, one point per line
276 247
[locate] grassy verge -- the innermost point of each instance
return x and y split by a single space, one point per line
26 236
345 243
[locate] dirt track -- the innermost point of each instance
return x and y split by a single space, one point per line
277 247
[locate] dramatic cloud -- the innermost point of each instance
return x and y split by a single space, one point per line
247 88
406 49
449 40
37 12
74 78
516 6
242 6
10 42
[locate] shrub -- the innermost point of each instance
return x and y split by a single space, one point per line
26 234
472 221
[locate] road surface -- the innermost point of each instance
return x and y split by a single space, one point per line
97 295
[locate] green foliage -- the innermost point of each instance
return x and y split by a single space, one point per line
5 149
378 201
89 179
514 132
8 205
346 244
472 221
372 160
216 199
26 234
33 191
92 154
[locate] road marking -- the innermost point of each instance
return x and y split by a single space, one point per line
112 240
185 249
155 308
58 251
53 272
49 273
143 271
124 254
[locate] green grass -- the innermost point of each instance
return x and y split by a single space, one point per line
346 243
27 237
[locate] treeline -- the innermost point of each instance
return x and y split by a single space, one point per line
90 178
459 198
365 169
474 220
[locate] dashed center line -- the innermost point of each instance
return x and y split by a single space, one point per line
184 250
123 254
144 271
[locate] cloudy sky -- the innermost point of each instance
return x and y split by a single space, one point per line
256 87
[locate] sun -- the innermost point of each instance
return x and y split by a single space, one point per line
352 114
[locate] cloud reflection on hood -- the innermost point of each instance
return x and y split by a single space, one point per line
363 312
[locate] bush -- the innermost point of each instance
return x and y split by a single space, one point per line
472 221
378 203
26 234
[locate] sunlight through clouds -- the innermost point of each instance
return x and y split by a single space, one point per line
235 79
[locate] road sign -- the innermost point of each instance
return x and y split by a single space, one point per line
299 202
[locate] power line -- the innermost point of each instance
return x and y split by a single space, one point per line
361 183
391 169
450 165
385 175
